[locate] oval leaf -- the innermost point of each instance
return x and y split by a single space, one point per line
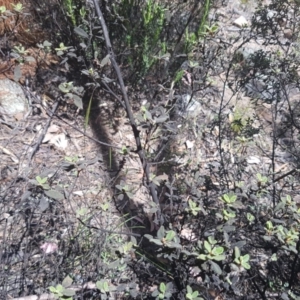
161 232
81 32
219 257
105 60
68 293
77 101
161 119
54 195
162 287
67 282
237 252
216 268
207 246
170 235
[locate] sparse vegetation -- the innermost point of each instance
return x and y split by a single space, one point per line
168 165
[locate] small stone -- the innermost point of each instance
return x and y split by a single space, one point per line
241 22
271 14
253 160
12 98
288 33
190 144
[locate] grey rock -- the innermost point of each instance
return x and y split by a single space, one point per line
244 54
187 106
241 22
12 98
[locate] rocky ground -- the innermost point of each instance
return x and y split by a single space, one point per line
55 170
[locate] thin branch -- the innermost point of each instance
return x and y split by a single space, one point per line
283 176
42 135
108 231
135 130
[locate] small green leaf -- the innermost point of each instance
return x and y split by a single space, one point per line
62 47
124 150
81 212
288 199
119 187
69 292
105 61
218 250
246 266
67 282
148 236
127 247
269 225
157 242
216 268
202 257
59 288
52 289
207 246
81 32
18 7
161 232
174 245
250 217
189 289
219 257
170 235
279 206
47 44
211 240
129 195
237 252
41 180
105 206
66 87
246 258
195 294
161 119
103 286
77 101
54 195
98 285
2 9
229 198
162 287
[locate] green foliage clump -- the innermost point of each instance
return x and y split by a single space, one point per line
143 32
63 291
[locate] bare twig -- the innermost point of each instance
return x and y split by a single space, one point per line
285 175
42 135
